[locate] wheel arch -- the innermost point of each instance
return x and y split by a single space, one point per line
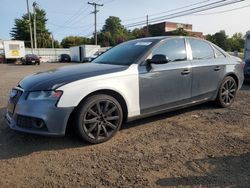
110 92
234 76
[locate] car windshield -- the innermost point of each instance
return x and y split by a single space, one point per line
125 53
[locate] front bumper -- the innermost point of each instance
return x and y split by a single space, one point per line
38 117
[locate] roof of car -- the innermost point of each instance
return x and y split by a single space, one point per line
167 37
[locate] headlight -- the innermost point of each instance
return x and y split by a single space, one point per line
44 95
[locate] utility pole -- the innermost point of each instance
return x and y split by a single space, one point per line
31 37
53 44
34 12
52 40
147 26
95 13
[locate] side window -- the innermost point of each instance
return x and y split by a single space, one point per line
201 50
174 49
218 53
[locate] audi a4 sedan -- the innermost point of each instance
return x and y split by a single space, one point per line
133 80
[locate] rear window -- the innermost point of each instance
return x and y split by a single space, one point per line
201 50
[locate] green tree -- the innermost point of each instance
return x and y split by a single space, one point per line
138 33
74 41
113 32
21 31
220 39
236 42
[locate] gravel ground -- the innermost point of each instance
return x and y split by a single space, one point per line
202 146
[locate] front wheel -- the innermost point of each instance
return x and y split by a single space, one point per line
227 92
98 118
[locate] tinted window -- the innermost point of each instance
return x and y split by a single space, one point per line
126 53
201 49
174 49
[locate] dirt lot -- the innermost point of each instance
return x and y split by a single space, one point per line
202 146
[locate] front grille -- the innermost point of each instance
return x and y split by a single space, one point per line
30 123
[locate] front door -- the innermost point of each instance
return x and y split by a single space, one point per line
166 85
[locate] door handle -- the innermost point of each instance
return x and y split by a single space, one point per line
185 72
217 68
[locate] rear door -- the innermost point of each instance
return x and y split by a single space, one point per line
207 69
166 85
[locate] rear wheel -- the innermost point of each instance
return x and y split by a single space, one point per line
227 92
99 118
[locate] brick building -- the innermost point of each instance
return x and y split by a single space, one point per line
167 28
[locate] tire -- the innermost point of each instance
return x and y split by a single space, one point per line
98 118
227 92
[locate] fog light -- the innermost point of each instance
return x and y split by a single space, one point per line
38 124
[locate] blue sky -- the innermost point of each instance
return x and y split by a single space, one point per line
72 17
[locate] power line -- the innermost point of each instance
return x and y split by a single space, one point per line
220 12
68 27
172 10
71 18
109 1
206 7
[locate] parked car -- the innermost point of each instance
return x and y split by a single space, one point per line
64 58
247 70
31 59
133 80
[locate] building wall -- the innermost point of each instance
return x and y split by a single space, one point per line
171 26
165 28
48 54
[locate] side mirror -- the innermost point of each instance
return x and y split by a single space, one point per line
159 59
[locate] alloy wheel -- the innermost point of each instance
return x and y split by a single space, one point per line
101 120
228 91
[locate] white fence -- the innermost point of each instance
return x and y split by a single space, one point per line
48 54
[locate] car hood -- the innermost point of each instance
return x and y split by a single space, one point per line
55 78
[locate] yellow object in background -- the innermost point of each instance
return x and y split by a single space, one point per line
15 52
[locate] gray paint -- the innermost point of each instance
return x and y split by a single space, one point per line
164 85
55 118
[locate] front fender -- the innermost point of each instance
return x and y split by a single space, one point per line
125 83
